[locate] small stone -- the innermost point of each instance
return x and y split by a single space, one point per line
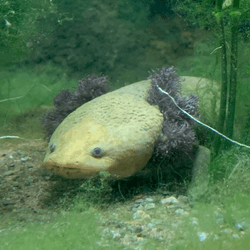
158 237
26 158
8 173
138 229
140 215
216 237
236 236
239 226
136 207
219 221
179 211
7 202
149 206
34 210
150 225
169 200
171 208
219 218
18 152
127 240
122 232
46 178
156 222
242 225
115 235
227 230
202 236
11 166
105 231
29 183
183 199
139 201
119 224
30 165
194 221
149 200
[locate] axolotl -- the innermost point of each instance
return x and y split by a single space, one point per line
119 131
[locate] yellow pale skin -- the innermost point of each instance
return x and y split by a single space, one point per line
115 132
121 126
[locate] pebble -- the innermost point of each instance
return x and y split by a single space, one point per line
138 229
141 215
242 225
119 224
139 201
149 206
46 178
105 231
128 239
179 211
169 200
11 166
29 165
202 236
156 222
149 200
137 207
183 199
227 230
29 183
216 237
150 225
26 158
239 226
194 221
8 173
236 236
219 218
115 235
7 202
143 227
172 208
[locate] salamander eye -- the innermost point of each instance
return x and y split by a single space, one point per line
97 151
52 148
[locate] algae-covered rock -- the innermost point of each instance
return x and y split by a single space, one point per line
200 175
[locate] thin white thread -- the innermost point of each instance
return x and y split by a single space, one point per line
13 98
10 137
15 137
193 118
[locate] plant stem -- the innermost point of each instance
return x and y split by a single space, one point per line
233 72
223 96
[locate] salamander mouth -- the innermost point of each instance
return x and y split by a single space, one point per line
71 171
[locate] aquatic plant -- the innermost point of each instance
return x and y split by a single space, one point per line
66 102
